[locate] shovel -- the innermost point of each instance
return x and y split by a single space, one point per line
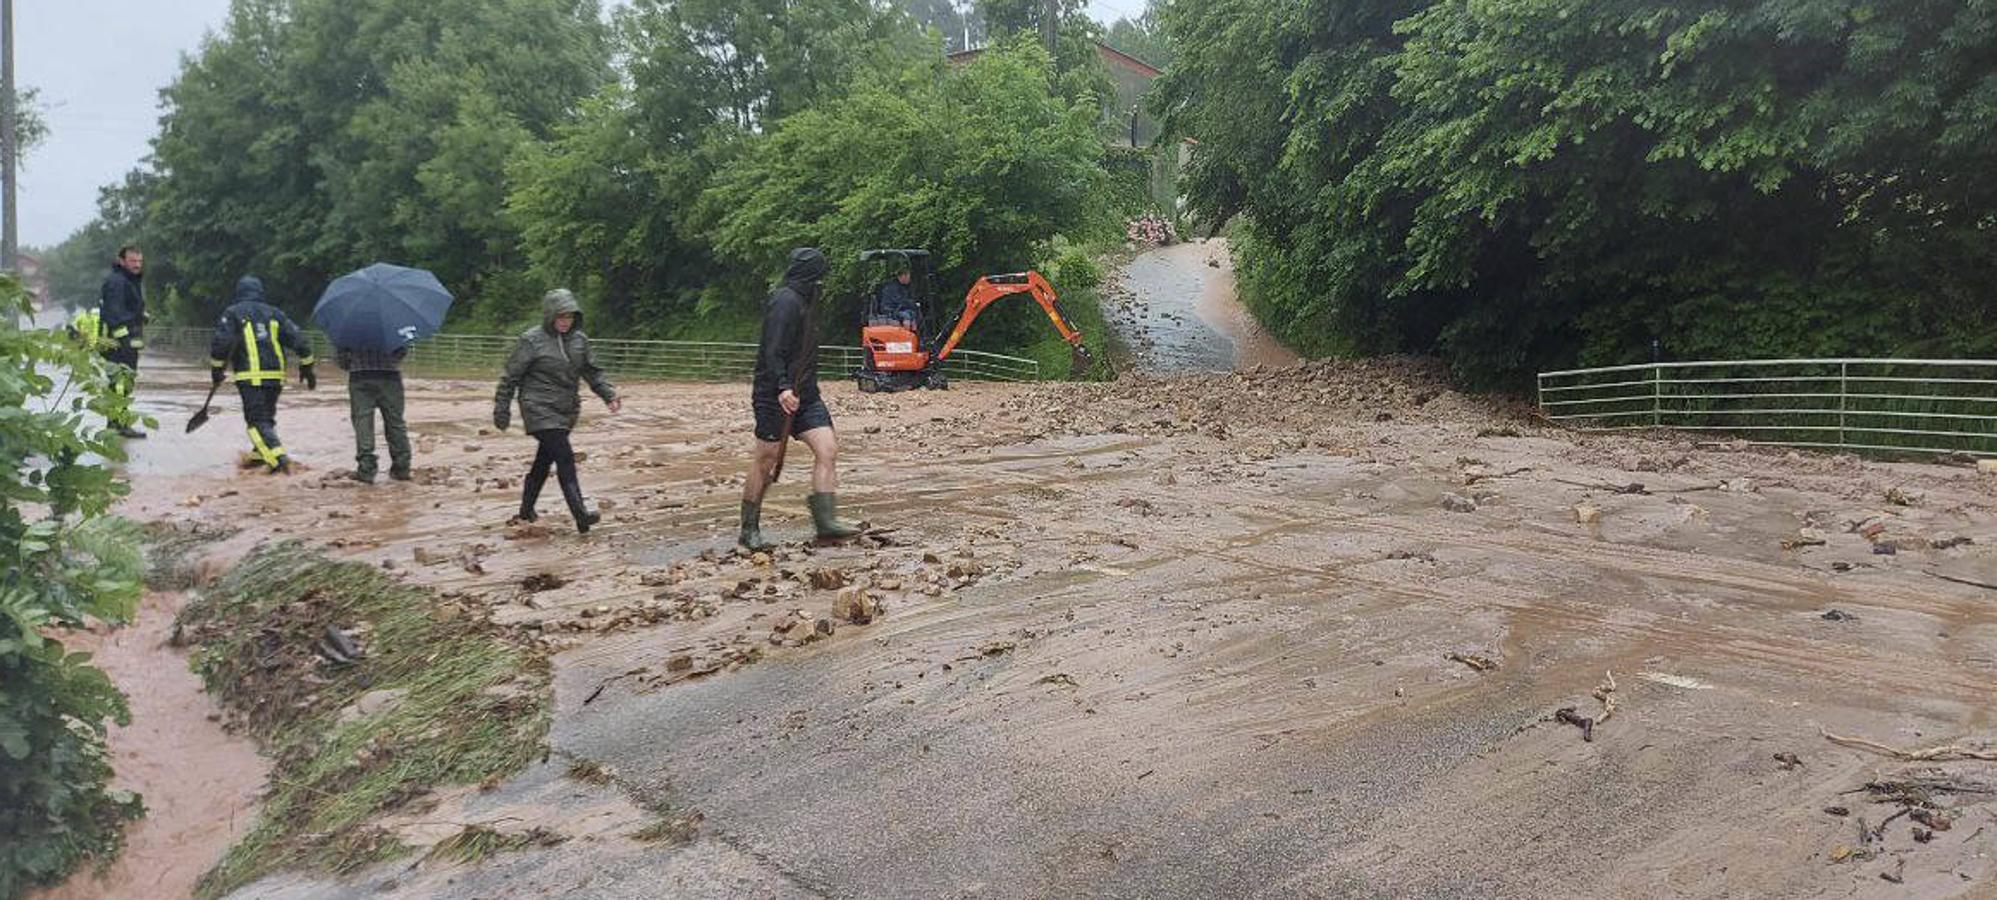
201 418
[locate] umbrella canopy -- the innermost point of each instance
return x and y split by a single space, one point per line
382 307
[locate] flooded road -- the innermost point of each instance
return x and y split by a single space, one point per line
1175 307
1175 637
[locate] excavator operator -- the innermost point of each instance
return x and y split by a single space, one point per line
895 299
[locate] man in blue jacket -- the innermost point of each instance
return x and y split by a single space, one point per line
251 337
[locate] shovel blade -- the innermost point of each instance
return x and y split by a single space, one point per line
200 419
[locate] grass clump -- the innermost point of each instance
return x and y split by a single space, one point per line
170 551
477 842
589 771
675 830
474 704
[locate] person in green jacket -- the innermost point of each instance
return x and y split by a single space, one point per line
546 371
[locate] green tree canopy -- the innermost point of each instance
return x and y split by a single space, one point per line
1525 183
980 164
309 137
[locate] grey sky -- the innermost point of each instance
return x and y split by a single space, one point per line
100 65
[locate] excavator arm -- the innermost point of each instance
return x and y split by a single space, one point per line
992 287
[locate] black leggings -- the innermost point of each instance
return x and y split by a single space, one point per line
555 451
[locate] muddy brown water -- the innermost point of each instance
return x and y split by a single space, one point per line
1192 642
1176 309
200 783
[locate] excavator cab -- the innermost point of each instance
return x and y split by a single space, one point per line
894 355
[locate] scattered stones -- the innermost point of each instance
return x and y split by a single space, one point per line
1457 503
856 605
1789 761
372 703
542 581
829 579
1949 541
1838 615
1587 515
1479 663
1987 466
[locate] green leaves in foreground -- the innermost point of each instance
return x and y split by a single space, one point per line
63 562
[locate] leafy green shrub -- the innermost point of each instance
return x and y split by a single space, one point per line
980 164
64 562
1517 185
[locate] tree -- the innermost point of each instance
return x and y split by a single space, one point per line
959 24
310 137
1530 183
1143 36
980 164
607 205
66 562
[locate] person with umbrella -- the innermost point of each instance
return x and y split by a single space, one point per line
372 317
546 371
251 337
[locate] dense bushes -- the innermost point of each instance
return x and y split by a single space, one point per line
1532 183
62 562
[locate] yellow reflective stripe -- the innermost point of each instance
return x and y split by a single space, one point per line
250 345
136 344
309 361
122 332
276 347
264 452
217 363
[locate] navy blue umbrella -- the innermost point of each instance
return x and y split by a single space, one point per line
382 307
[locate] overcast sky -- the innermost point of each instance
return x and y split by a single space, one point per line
100 65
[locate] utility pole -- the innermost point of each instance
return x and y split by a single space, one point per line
1050 27
10 148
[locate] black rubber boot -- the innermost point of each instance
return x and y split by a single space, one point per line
751 536
825 516
530 491
572 492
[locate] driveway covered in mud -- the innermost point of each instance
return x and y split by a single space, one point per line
1307 632
1175 309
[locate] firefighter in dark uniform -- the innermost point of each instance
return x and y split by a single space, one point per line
252 337
121 320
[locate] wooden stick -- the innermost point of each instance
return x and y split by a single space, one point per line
1944 753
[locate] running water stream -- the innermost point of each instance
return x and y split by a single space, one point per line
200 783
1177 311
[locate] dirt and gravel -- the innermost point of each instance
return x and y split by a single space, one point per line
1299 631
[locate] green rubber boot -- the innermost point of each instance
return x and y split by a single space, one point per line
825 515
751 536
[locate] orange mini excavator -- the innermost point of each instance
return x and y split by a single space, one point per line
896 357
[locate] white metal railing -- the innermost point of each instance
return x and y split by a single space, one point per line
483 354
1933 406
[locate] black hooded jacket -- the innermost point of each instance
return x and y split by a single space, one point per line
252 337
121 307
787 355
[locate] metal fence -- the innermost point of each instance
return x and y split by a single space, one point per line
1911 406
483 354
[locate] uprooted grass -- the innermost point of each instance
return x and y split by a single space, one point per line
477 842
474 704
170 550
